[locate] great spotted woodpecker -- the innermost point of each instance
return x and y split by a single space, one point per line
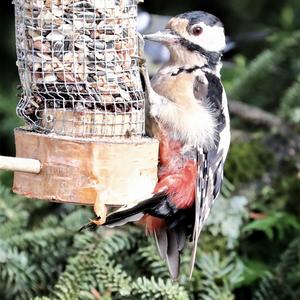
188 114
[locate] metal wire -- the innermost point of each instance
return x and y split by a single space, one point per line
78 66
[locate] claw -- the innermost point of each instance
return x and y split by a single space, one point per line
93 224
100 210
98 221
142 64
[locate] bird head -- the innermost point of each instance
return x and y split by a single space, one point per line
196 33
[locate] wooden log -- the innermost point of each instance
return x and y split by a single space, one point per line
74 170
20 164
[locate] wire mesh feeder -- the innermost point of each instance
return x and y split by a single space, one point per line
78 64
82 101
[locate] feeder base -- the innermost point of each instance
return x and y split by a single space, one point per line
88 172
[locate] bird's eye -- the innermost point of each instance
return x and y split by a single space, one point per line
197 30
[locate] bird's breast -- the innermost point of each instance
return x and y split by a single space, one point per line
177 88
185 117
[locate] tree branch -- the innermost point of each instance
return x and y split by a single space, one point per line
254 114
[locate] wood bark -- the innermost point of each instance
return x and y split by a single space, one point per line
80 171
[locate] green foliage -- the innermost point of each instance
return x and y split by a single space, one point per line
290 103
31 253
9 120
100 272
283 283
145 288
93 266
283 189
219 275
247 160
266 79
227 218
148 259
254 270
46 255
275 223
287 17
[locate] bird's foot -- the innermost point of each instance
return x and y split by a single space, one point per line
92 225
144 71
97 221
100 210
143 66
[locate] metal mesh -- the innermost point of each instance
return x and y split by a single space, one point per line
78 65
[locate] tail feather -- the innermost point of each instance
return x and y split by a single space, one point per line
126 215
134 213
113 222
161 241
170 243
181 238
173 255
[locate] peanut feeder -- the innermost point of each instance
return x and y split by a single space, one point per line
83 104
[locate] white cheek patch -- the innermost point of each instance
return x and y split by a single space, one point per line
211 39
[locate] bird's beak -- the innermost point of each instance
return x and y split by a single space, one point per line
165 36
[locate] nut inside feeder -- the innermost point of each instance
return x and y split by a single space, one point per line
83 103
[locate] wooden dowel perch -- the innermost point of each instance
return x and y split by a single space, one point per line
18 164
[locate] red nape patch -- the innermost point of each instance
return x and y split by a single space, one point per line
180 185
152 224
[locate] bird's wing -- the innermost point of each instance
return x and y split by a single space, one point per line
210 167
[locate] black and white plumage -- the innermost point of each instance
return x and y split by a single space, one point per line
188 114
157 53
